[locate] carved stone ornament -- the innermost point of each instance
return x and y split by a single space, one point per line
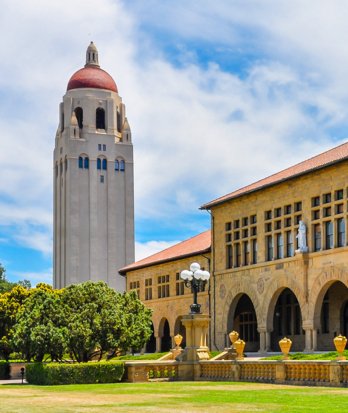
222 291
260 286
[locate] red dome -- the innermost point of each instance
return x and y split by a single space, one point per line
92 77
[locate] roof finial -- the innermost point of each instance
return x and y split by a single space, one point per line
92 56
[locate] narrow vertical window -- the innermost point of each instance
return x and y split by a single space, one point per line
280 251
100 118
80 162
118 119
246 252
228 256
105 164
117 165
122 165
237 255
86 163
341 232
98 163
269 249
329 240
289 244
254 247
317 237
79 116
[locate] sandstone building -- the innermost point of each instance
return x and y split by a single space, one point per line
279 260
93 181
157 282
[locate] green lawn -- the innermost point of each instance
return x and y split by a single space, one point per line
332 355
168 397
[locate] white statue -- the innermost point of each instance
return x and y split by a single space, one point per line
302 237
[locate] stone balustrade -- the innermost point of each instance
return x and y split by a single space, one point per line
311 372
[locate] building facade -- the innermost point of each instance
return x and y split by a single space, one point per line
93 181
280 257
279 260
156 280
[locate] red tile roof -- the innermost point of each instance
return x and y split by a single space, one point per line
322 160
196 245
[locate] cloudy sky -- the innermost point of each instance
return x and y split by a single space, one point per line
218 94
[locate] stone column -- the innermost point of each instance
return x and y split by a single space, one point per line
308 339
197 326
158 343
265 339
314 339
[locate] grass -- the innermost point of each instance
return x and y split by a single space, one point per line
188 397
332 355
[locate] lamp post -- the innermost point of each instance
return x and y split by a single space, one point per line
196 279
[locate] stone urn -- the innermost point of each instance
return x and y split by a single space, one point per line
178 340
233 337
239 346
285 345
340 344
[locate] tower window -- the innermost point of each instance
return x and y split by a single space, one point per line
122 165
104 164
79 116
117 165
98 163
80 162
100 118
86 163
118 119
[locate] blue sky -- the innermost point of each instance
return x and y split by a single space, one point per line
218 94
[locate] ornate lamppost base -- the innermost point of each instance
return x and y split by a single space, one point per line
195 309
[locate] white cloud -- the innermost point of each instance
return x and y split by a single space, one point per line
45 276
199 131
145 249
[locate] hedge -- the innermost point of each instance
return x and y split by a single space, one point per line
76 373
4 370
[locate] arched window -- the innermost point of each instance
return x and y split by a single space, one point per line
56 169
86 162
66 164
80 162
117 165
98 163
79 116
118 119
122 165
100 118
105 164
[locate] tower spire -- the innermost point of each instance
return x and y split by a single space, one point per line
92 56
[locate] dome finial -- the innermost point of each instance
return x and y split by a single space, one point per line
92 56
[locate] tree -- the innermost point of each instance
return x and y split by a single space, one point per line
99 320
4 284
137 322
10 303
40 326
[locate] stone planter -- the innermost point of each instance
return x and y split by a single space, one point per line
285 345
239 346
233 337
340 344
178 340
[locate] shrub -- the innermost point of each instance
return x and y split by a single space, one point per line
4 370
81 373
